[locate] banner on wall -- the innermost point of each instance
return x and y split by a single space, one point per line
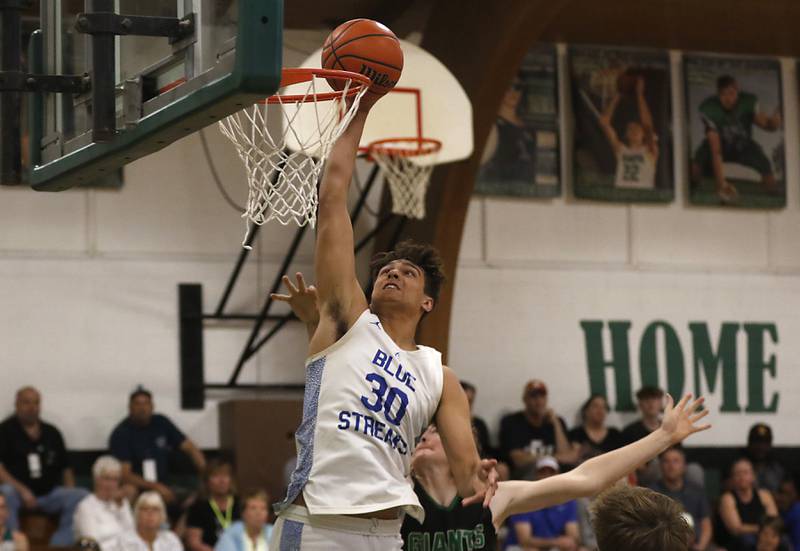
622 106
726 337
521 155
736 138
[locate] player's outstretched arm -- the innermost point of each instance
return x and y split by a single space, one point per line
598 473
340 297
608 128
474 478
646 117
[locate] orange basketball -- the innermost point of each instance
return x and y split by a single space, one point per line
367 47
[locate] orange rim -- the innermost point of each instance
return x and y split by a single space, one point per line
394 147
298 75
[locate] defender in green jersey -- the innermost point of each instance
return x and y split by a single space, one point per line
728 118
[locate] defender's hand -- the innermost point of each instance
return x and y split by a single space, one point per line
681 420
486 485
302 299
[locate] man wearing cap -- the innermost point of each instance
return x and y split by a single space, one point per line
769 472
534 432
549 528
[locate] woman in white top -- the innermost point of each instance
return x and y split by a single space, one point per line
105 514
150 515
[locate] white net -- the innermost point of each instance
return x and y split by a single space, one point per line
282 183
408 173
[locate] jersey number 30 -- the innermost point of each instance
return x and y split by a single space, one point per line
383 400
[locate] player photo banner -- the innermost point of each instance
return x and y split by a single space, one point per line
521 154
736 138
622 105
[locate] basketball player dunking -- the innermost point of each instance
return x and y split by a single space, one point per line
637 155
370 389
478 526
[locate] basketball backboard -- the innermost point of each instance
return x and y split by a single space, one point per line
163 69
428 102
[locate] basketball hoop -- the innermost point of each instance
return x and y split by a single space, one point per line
407 164
283 184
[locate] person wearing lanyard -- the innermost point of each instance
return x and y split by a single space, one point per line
215 510
252 532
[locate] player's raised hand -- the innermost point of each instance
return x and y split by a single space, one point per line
639 86
681 419
486 484
302 298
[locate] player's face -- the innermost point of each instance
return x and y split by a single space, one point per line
673 466
28 406
634 134
255 513
401 282
742 475
429 449
728 97
141 409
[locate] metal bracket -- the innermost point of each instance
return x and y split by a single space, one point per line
19 81
140 25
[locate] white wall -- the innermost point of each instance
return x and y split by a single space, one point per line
89 304
536 268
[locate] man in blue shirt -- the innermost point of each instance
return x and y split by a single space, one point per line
143 442
550 528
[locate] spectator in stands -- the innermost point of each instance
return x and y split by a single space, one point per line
548 528
742 508
770 535
143 442
252 533
628 518
34 468
105 514
673 484
650 401
10 540
769 472
215 509
789 506
534 432
150 534
594 437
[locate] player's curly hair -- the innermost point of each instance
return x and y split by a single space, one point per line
423 255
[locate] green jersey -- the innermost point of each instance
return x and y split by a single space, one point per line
735 127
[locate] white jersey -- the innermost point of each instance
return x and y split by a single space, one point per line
636 168
366 402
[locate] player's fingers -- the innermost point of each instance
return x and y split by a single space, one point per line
682 404
696 405
697 416
670 402
281 298
301 282
701 428
473 499
489 495
289 285
312 290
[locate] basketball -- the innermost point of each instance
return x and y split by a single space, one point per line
367 47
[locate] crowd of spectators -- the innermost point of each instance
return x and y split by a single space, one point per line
135 503
758 508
